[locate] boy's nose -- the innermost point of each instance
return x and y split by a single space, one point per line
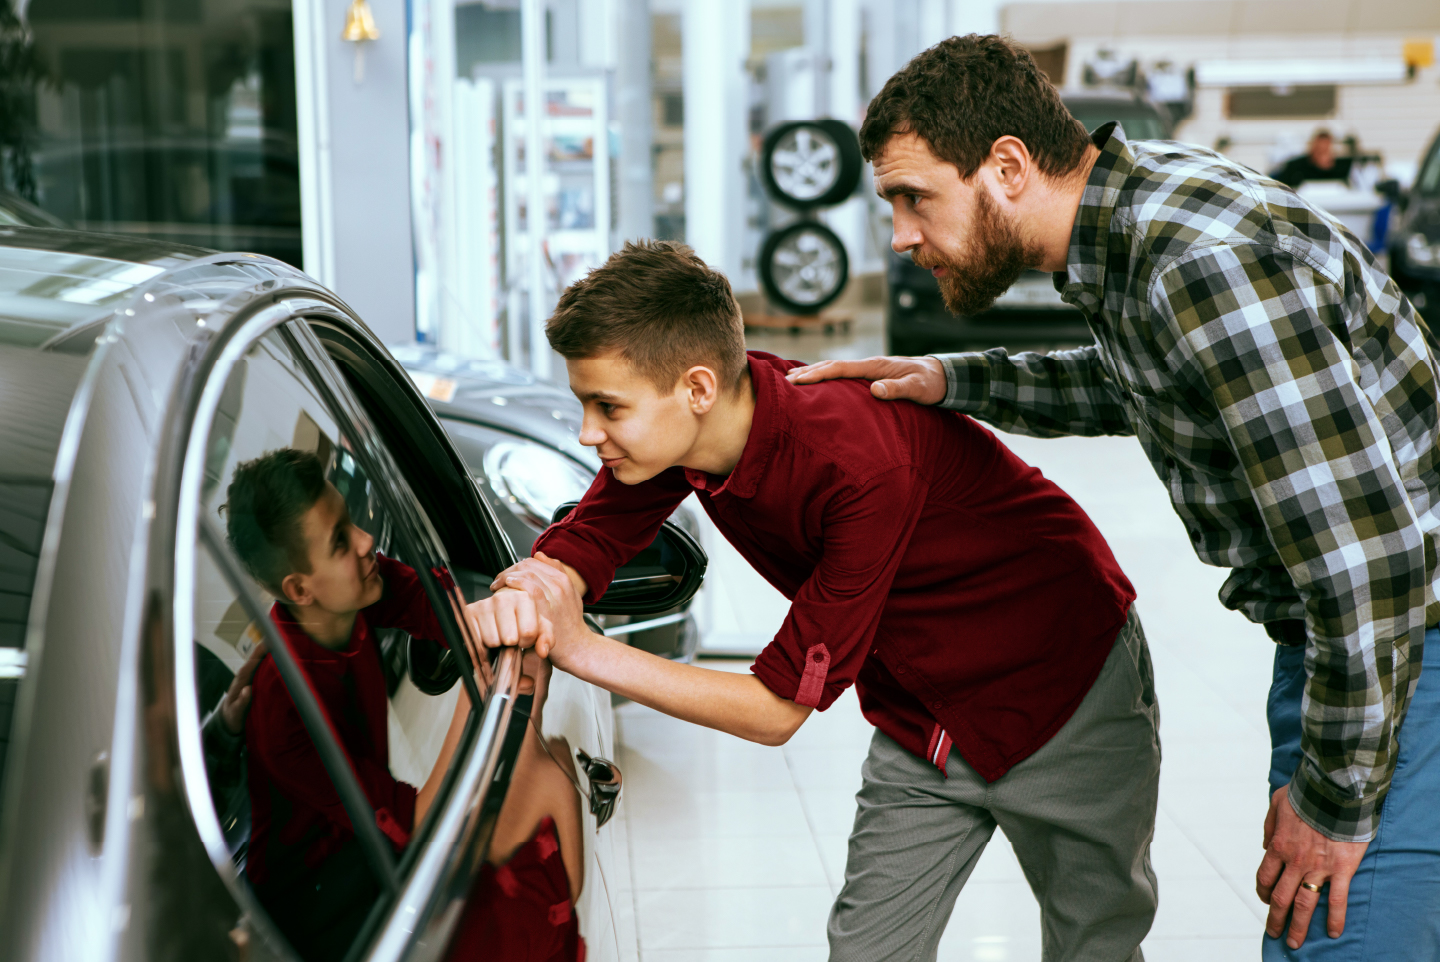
364 541
590 435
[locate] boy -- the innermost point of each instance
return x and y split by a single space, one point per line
292 530
981 616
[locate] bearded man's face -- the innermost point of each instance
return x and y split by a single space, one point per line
990 260
952 228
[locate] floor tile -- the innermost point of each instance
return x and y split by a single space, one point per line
727 862
806 953
1192 909
993 922
1201 950
717 815
829 812
733 918
834 849
648 771
826 768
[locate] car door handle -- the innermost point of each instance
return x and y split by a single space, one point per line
605 778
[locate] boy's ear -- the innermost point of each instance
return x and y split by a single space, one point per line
703 388
296 589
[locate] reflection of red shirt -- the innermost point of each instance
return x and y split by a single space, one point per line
521 911
964 595
297 819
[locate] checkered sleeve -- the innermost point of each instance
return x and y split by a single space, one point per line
1042 395
1259 328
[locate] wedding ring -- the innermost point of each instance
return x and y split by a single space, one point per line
1311 886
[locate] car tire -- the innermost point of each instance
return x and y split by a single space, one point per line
811 163
803 267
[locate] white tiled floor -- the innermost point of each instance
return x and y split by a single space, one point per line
736 851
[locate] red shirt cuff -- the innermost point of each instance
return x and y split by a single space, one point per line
559 543
806 683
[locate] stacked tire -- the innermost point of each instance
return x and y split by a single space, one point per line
807 165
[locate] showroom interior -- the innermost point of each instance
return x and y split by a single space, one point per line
349 192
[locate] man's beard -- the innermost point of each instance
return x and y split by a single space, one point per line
994 259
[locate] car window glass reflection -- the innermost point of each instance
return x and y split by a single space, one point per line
312 530
523 905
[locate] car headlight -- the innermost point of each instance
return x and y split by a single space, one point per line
1421 251
532 480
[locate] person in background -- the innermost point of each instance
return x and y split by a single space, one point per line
1317 163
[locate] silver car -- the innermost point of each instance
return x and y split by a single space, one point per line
134 377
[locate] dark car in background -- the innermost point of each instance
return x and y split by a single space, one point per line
1030 315
520 438
1415 239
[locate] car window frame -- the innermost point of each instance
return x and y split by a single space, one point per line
443 861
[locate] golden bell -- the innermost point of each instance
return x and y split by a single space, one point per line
359 23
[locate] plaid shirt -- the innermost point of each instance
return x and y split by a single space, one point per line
1283 389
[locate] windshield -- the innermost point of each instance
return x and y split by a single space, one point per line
1428 183
1139 124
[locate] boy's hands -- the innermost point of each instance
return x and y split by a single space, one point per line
237 698
535 603
509 618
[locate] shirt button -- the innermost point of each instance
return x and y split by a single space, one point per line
1195 536
1169 464
937 705
819 656
900 669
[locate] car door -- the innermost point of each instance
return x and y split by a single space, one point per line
305 376
566 715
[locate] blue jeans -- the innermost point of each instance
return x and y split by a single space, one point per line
1393 912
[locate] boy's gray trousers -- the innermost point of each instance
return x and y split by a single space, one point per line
1080 814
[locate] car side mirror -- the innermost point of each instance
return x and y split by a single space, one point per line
665 575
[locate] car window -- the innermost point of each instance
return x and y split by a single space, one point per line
278 446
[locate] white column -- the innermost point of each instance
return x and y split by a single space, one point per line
634 113
974 16
843 46
934 22
716 40
532 57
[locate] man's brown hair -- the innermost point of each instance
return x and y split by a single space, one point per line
660 307
965 93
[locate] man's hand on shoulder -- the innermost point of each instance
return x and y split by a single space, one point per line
919 379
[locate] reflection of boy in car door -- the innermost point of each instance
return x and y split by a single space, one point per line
979 614
292 530
523 903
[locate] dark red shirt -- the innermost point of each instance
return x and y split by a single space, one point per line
964 595
297 819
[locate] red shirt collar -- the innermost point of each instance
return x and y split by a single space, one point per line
767 378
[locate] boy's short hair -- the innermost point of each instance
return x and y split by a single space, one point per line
265 502
660 307
965 93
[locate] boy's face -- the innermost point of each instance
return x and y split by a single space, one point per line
637 430
344 575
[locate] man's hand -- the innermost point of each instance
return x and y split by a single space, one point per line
548 585
920 379
1296 853
236 703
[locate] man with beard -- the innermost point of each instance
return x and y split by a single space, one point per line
1284 390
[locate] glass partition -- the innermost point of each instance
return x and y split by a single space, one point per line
174 120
